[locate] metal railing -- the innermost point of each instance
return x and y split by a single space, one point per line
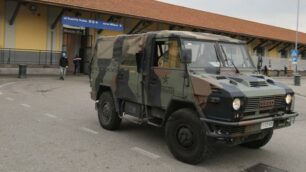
279 63
12 56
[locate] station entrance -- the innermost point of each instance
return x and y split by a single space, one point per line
77 43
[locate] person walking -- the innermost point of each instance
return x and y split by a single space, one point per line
285 70
63 64
77 64
266 70
259 63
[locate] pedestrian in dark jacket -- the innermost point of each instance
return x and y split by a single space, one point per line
63 64
77 64
285 70
266 70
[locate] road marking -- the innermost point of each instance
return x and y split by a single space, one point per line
50 115
9 99
89 130
7 84
301 96
26 105
145 153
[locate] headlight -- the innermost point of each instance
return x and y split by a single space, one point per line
288 99
236 104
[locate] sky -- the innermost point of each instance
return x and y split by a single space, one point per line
281 13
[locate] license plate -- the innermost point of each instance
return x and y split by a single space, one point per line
291 120
265 125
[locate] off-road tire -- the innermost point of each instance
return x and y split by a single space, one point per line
108 117
186 120
256 144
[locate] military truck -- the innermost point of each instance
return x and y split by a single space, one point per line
201 88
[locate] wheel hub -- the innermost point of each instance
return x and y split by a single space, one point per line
185 137
106 111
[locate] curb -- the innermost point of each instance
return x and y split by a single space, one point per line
302 95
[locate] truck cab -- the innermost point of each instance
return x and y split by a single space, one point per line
202 88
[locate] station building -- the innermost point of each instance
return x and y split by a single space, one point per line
35 32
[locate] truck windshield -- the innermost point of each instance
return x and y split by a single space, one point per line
204 55
236 55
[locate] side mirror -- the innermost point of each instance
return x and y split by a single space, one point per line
187 56
139 58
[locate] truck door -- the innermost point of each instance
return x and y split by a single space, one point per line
128 78
166 78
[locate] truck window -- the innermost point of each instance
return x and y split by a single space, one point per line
105 48
167 54
204 55
131 47
237 53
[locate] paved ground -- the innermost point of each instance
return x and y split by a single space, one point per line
51 125
300 90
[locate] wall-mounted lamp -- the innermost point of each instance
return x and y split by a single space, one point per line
33 8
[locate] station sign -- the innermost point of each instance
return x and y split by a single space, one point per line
88 23
294 56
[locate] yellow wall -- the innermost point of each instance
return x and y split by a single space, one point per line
2 23
111 33
274 53
163 27
58 37
31 29
152 27
252 45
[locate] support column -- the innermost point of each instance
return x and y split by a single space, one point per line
54 32
2 23
10 33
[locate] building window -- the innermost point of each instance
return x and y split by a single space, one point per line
303 55
284 53
132 45
260 51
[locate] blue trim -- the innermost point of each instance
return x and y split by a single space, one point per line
96 24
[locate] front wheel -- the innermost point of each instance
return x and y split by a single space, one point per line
186 137
256 144
108 117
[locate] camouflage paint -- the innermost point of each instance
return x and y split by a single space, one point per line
162 85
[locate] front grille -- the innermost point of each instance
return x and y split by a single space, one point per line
258 84
229 129
256 103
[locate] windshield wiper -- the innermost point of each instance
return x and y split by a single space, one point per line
226 59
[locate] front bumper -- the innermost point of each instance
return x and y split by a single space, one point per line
242 129
93 95
250 122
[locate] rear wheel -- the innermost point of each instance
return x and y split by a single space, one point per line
256 144
108 117
186 137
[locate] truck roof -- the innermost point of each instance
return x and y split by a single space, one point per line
185 34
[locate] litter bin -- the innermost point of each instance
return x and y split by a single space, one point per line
22 71
297 79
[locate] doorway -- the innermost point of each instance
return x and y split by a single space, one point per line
76 42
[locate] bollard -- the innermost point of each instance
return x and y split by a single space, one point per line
22 71
297 79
